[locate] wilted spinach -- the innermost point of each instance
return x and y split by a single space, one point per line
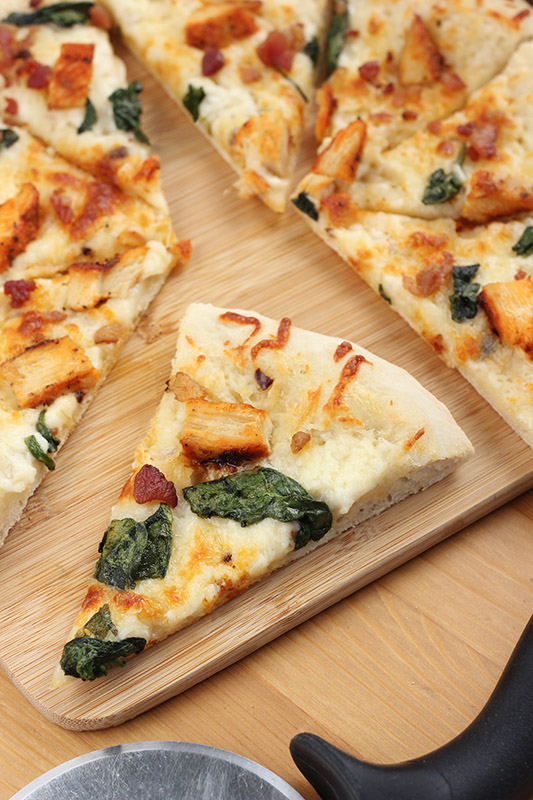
335 37
88 658
192 100
63 14
249 497
131 550
127 110
99 625
38 453
524 246
46 433
312 49
306 205
8 137
463 301
90 117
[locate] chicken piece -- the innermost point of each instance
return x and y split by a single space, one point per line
219 25
71 76
492 196
19 223
341 157
420 61
509 308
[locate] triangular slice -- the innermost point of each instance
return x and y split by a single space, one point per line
62 80
399 66
267 440
475 165
80 261
467 290
244 71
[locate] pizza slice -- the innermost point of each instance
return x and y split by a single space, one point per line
268 440
401 66
475 165
243 70
80 261
60 78
467 290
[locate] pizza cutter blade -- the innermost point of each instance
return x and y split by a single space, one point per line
492 759
159 770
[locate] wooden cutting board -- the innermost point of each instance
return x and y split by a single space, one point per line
243 256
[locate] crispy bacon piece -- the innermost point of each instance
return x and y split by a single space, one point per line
19 223
369 71
12 107
249 74
225 433
326 108
492 196
430 278
341 209
299 440
282 337
185 388
7 47
18 291
277 51
39 74
341 157
100 18
62 205
47 370
509 308
483 141
71 76
150 484
219 25
213 61
420 61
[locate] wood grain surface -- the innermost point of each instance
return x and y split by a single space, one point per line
243 256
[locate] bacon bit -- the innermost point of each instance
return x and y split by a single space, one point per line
212 61
520 275
326 107
6 48
483 141
342 349
452 82
94 593
232 316
408 114
62 206
71 76
341 209
12 106
100 18
423 239
282 337
101 199
150 484
276 51
434 126
381 116
348 373
388 89
249 74
466 130
263 381
32 322
185 388
19 291
369 71
19 223
219 26
430 278
410 442
521 15
40 75
299 440
352 34
446 147
109 334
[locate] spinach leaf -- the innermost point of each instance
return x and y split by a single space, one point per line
383 295
463 301
127 110
192 100
306 205
99 625
90 117
46 433
8 137
442 187
312 50
524 246
249 497
131 551
156 554
88 658
335 38
62 14
35 449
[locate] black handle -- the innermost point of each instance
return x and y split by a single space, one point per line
492 759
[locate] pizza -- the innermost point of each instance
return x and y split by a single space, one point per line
244 71
61 80
80 261
437 216
268 440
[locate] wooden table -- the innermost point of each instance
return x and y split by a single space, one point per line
388 673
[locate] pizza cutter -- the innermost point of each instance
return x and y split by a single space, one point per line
492 759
